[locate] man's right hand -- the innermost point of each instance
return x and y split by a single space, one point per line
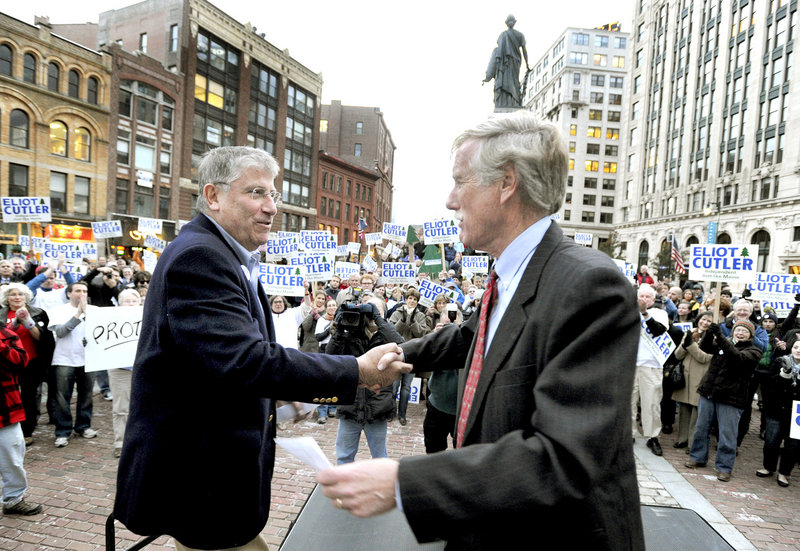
375 371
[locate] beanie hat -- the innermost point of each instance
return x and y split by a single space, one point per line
769 316
747 324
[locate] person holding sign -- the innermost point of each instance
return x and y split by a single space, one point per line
724 395
199 450
543 448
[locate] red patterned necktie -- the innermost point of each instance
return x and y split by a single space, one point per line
487 300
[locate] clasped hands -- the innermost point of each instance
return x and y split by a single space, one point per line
381 366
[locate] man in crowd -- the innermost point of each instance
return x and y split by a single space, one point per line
543 432
6 271
208 370
332 290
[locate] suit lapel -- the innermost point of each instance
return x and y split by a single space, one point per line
268 325
511 325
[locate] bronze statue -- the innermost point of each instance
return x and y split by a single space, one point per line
504 66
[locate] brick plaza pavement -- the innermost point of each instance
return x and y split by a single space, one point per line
76 487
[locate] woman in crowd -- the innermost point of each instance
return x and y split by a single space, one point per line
685 313
723 394
308 337
688 296
29 323
435 311
141 282
287 320
120 382
780 388
695 351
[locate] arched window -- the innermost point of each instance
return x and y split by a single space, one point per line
762 239
693 240
53 76
724 239
58 138
74 83
20 126
91 90
29 68
83 144
6 60
644 253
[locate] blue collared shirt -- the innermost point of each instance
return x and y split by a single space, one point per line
510 266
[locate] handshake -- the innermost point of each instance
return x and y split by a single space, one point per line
381 366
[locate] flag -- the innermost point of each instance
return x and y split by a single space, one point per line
676 256
362 226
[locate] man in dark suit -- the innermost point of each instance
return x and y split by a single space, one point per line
198 453
543 429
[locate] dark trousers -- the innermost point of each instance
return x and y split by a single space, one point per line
744 422
777 432
436 427
667 404
30 389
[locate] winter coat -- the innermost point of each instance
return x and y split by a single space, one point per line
778 392
729 374
695 364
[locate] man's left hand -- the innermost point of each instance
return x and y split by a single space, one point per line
375 377
364 488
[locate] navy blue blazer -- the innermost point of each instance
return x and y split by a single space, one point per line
198 454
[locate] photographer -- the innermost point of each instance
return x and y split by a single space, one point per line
356 329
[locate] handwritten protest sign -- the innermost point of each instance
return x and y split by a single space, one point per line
25 209
150 225
319 267
395 232
398 272
280 279
440 232
344 269
661 346
112 335
731 263
109 228
475 264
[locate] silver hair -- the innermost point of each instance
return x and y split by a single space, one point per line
125 292
743 301
535 149
5 289
647 288
225 165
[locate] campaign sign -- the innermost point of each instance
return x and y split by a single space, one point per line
279 279
626 268
344 269
794 430
109 228
475 264
396 251
428 291
661 346
287 235
282 247
774 287
319 267
369 264
112 335
353 247
440 232
373 238
398 272
150 259
318 241
28 243
154 243
394 232
413 398
683 326
25 209
583 239
341 250
730 263
73 252
150 225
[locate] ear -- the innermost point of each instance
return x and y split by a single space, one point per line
510 183
211 194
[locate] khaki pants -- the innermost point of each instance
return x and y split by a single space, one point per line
120 382
258 544
647 390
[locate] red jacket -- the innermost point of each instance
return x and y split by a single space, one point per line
12 358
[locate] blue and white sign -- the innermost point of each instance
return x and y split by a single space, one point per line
369 264
353 247
416 386
150 225
711 236
109 228
288 235
794 430
341 250
25 209
729 263
28 243
344 269
282 247
319 267
394 232
373 238
584 239
73 252
318 241
398 272
428 291
440 232
154 243
661 346
775 290
683 326
475 264
280 279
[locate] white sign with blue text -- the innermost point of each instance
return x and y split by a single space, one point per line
440 232
428 291
154 243
584 239
398 272
661 346
319 267
282 247
729 263
106 229
318 241
25 209
794 430
775 290
394 232
150 225
475 264
373 238
280 279
344 269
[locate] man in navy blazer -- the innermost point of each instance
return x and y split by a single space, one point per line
545 452
198 454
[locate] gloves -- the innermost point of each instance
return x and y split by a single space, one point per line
785 372
797 298
687 339
746 293
714 329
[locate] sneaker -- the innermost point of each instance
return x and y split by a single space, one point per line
722 476
763 473
693 464
22 507
322 420
783 480
61 441
89 433
107 395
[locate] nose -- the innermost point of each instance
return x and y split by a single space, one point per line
452 202
269 207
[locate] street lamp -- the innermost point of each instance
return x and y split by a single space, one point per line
708 211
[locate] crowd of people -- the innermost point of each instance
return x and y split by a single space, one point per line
724 364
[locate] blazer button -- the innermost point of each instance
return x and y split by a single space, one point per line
334 399
316 400
270 418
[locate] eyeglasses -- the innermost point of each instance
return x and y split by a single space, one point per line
259 194
143 282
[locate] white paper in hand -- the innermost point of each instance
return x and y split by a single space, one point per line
306 450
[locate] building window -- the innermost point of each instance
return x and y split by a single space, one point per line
598 80
593 148
614 116
606 218
609 167
618 61
121 196
166 118
81 203
595 114
606 200
6 60
73 83
600 41
165 159
589 200
58 138
83 145
143 42
591 166
587 216
143 201
357 150
615 82
92 90
173 38
17 180
580 39
20 126
620 42
359 128
599 60
762 239
53 77
611 150
58 191
596 97
125 103
593 132
145 155
612 133
163 203
123 148
29 68
146 110
609 184
590 183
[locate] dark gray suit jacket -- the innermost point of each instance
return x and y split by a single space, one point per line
199 451
548 454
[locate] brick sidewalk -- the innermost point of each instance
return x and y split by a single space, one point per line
76 487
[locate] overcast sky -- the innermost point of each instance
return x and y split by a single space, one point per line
421 63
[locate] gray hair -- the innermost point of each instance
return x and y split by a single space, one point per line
7 288
745 302
536 150
647 288
125 292
225 165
